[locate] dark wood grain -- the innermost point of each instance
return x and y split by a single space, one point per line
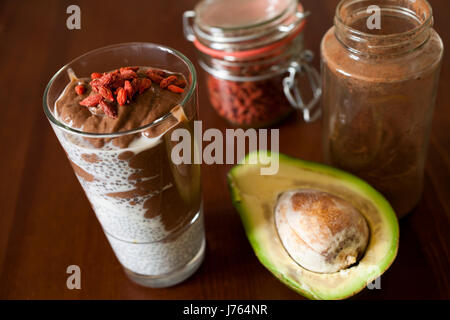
46 222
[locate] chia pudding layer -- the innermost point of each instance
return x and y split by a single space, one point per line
149 208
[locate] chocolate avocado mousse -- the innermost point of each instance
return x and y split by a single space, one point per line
146 101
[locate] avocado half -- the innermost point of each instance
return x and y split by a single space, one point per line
255 196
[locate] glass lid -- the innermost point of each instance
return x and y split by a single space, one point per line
239 14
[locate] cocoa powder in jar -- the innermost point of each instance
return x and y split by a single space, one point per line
378 101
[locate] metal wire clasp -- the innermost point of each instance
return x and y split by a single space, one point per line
188 30
291 87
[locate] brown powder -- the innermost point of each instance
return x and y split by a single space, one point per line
377 112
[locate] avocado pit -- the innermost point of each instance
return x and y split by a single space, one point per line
321 232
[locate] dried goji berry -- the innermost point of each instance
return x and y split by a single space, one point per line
108 109
92 101
96 75
106 93
135 83
121 96
130 68
159 72
154 76
127 74
175 89
144 84
80 89
106 79
180 83
168 81
129 89
118 82
251 103
95 83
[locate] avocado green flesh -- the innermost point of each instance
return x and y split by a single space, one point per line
255 196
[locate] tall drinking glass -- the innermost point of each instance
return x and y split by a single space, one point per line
149 207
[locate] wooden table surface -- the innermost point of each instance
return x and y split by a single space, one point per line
46 223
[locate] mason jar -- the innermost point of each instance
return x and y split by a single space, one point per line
254 58
380 70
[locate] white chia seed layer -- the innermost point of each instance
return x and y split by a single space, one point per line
142 245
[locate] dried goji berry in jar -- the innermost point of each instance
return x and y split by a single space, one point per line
247 57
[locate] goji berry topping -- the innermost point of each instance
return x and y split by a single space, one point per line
80 89
119 100
120 87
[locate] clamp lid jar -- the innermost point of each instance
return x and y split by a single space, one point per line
254 57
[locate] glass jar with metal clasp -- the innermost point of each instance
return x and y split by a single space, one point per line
254 58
